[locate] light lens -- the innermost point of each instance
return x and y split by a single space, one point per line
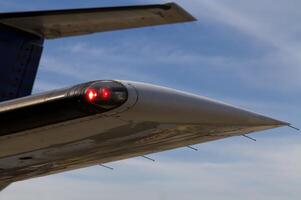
91 94
105 93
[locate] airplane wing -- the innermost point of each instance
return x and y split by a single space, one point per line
63 23
103 121
99 121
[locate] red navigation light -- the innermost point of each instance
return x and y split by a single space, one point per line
105 93
91 94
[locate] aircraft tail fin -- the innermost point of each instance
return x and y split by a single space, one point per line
20 55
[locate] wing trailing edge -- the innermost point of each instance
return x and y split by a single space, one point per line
63 23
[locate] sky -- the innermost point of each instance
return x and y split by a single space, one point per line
246 53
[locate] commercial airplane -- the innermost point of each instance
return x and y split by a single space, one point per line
99 121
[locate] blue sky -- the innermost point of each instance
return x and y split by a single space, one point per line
246 53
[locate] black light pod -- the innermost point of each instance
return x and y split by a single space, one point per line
61 105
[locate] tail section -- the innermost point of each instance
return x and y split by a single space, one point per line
22 35
20 55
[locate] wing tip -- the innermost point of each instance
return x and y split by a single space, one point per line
188 17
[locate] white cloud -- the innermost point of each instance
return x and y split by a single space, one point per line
125 61
271 23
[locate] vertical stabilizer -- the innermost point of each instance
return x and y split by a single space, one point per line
20 56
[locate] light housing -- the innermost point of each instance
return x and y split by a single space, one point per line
105 94
79 101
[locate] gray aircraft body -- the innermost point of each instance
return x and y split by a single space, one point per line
99 121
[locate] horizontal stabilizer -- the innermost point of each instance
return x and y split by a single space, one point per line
63 23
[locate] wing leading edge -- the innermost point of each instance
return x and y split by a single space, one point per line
72 22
